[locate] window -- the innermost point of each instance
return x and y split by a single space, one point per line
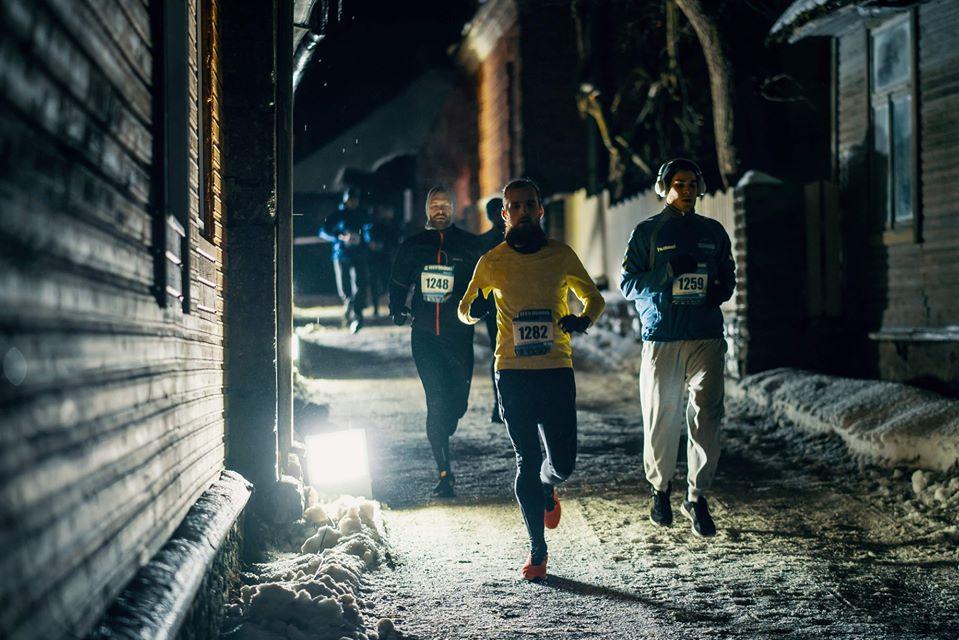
893 164
172 154
205 105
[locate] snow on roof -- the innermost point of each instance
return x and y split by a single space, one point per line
398 127
806 18
753 177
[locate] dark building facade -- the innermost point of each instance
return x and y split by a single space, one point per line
894 148
111 301
127 356
522 64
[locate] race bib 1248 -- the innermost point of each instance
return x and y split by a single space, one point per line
436 282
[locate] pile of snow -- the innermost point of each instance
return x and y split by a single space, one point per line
315 595
933 491
893 424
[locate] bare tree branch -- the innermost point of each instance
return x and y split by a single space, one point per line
720 83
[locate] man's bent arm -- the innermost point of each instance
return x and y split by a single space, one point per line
584 288
330 229
637 279
478 283
400 279
727 269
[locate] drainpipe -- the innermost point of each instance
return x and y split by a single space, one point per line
284 230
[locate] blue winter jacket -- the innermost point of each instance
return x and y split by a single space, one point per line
648 279
345 220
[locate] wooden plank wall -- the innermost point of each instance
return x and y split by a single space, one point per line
905 284
111 408
863 247
938 259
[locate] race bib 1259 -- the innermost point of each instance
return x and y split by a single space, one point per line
690 288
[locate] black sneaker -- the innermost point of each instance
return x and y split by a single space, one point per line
444 487
698 514
356 325
661 512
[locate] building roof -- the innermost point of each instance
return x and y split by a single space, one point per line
398 127
806 18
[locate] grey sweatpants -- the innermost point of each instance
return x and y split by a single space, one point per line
667 368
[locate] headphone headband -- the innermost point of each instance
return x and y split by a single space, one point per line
662 188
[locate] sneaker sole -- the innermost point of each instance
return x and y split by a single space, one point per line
660 524
692 525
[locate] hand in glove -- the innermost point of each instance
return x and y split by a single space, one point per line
480 307
713 294
571 323
682 263
400 316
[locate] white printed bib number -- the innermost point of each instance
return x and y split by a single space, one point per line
533 332
436 282
690 288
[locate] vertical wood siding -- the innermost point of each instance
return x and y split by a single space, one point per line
938 259
117 423
906 284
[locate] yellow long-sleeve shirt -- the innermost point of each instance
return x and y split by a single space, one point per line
531 296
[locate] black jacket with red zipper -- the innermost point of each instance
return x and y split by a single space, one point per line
450 247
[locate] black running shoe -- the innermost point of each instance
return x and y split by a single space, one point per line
698 514
444 487
661 512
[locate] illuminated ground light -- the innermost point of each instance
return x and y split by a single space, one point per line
337 463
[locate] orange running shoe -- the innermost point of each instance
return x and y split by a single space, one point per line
532 571
551 516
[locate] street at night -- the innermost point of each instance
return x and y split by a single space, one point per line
479 319
812 542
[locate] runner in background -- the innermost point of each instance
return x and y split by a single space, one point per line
489 240
429 276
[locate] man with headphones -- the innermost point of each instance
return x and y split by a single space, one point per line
678 269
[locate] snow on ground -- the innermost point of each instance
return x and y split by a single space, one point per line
813 543
892 423
316 594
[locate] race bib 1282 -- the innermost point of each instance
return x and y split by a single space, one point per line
533 332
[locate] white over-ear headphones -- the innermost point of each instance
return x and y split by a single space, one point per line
662 188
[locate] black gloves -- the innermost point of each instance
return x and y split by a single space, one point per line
682 263
480 307
400 316
713 295
572 323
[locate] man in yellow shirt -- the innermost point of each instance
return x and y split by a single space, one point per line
530 276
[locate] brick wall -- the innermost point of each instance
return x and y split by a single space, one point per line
500 127
450 155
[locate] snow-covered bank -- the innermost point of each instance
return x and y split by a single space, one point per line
315 595
893 424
